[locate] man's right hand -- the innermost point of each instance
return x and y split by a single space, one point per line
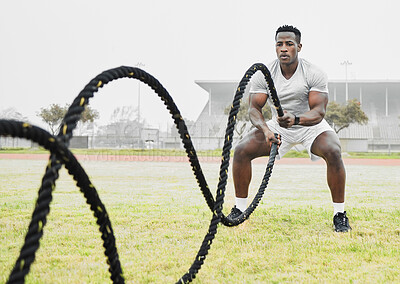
270 137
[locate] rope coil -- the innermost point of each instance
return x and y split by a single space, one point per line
61 155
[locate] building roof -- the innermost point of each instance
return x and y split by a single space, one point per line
224 86
383 94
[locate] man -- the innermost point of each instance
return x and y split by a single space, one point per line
303 93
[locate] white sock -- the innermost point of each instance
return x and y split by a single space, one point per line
241 203
338 207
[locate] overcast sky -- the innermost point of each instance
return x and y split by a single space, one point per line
51 49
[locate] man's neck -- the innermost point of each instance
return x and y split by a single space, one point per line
289 69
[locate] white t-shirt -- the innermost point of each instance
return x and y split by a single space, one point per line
292 93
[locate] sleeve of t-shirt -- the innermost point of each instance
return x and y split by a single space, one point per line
318 81
258 83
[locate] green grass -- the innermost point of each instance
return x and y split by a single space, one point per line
159 217
374 155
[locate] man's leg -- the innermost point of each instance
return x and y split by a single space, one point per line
327 146
253 145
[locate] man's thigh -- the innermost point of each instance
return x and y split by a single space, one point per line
325 143
254 144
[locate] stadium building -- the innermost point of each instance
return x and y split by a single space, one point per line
380 100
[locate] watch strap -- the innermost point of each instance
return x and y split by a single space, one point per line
296 120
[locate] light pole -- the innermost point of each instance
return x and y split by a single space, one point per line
139 64
346 63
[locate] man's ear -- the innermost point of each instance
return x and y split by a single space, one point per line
299 46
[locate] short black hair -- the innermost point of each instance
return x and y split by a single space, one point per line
287 28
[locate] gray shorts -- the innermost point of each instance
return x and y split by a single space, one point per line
293 136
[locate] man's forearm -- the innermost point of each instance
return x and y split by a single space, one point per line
257 119
310 118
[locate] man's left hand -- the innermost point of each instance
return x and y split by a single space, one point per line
287 120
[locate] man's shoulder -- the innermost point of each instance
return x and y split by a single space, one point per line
273 64
315 77
309 67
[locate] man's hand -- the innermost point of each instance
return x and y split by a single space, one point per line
287 120
270 137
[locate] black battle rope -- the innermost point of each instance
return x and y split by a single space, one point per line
218 216
61 155
35 230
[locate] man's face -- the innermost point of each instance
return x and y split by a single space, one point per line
287 48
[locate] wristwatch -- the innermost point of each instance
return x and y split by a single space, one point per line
296 120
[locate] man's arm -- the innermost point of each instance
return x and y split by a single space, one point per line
318 102
256 103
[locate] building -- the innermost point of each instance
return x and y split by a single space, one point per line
380 100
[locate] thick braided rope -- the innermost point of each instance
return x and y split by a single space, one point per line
27 254
35 231
229 137
77 107
218 216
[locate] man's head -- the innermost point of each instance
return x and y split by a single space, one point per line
288 44
290 29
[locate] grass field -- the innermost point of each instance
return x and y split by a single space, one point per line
181 152
159 217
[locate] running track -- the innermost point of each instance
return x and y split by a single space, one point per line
135 158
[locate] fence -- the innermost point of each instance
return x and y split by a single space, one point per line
200 143
9 142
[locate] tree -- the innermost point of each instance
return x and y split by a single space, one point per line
54 114
89 115
341 116
243 118
124 127
12 113
124 122
125 113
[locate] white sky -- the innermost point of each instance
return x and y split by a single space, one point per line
51 49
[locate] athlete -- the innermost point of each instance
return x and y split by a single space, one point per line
303 94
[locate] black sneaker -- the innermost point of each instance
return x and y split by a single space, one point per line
341 222
235 212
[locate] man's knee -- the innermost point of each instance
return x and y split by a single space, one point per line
328 148
334 154
241 153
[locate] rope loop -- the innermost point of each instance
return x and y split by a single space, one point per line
60 155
